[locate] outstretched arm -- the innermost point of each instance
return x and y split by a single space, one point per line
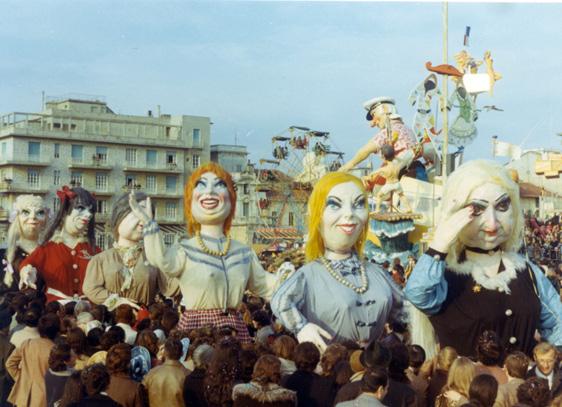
372 147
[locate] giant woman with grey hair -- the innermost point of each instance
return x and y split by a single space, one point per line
472 279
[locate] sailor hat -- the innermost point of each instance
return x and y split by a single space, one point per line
379 105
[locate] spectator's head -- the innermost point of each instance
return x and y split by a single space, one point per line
95 379
31 316
61 357
202 356
375 355
417 356
375 380
460 375
267 369
488 349
99 313
545 356
169 321
484 389
82 306
284 347
124 314
94 337
173 349
149 340
399 362
260 318
112 336
54 307
49 326
534 392
307 356
118 358
254 303
516 364
248 358
333 354
73 390
76 338
445 358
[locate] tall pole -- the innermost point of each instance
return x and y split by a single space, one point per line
445 94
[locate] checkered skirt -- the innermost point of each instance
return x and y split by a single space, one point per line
193 319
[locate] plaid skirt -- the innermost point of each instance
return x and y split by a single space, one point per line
197 318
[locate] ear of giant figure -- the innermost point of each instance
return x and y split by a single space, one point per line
210 198
344 217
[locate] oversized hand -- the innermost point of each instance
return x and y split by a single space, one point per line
313 333
114 300
449 229
144 214
28 277
8 273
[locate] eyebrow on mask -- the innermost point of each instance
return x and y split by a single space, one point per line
333 197
358 198
501 198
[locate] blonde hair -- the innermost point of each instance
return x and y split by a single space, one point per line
192 225
14 231
316 204
445 358
466 179
460 375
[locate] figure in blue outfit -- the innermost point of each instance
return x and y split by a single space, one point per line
472 278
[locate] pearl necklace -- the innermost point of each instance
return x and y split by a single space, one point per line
364 282
215 253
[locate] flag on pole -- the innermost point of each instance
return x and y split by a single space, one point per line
466 36
505 149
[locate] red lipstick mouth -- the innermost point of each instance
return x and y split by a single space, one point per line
347 228
209 203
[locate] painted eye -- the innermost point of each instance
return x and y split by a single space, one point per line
503 205
80 207
477 210
360 204
199 184
332 204
25 212
220 184
41 212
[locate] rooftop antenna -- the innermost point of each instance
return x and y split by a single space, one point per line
42 100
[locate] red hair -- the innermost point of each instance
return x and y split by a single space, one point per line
192 225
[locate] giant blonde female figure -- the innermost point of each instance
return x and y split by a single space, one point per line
213 270
472 279
336 295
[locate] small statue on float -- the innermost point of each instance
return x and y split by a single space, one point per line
213 270
27 221
69 244
122 274
337 295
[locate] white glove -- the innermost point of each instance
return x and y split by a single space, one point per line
8 273
28 277
313 333
113 301
448 230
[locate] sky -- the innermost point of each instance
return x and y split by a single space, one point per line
256 68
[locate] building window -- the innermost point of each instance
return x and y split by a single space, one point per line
4 148
245 209
101 155
171 184
33 178
171 210
131 156
151 158
151 183
130 180
56 177
77 153
196 137
246 189
196 160
57 150
76 178
101 182
33 150
169 239
101 206
56 204
170 157
101 241
291 219
238 168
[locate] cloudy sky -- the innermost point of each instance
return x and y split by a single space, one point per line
257 68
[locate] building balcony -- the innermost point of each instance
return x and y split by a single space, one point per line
154 169
4 214
93 163
165 194
10 187
30 161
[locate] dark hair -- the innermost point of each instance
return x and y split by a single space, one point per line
342 373
124 314
223 372
73 390
99 312
54 307
173 349
118 358
76 338
387 152
143 324
333 354
112 336
373 379
149 340
261 317
69 308
49 326
307 356
516 364
95 379
267 369
83 198
59 356
483 389
94 337
254 303
534 392
399 362
248 358
488 348
169 321
284 347
417 356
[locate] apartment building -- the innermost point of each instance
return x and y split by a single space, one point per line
81 141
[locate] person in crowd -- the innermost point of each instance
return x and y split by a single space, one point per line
455 392
61 363
262 324
193 389
400 392
248 358
284 348
546 366
213 270
534 392
112 336
483 390
472 265
30 320
147 338
489 355
418 382
122 388
73 390
438 372
125 318
515 365
164 383
28 364
95 380
6 348
69 244
264 389
312 389
315 302
374 385
224 372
